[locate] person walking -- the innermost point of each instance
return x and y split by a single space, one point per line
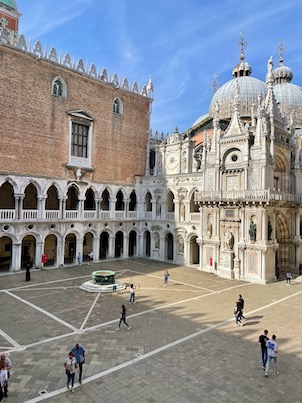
166 278
27 274
263 338
90 255
132 294
70 365
79 354
238 314
241 300
3 380
7 366
123 318
79 259
272 351
288 277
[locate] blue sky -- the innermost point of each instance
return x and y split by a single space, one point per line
179 44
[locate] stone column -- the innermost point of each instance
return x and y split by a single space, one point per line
62 201
162 247
60 252
96 248
126 246
79 248
41 207
153 202
39 252
111 247
16 257
20 213
81 208
112 207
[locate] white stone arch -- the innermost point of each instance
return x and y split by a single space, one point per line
117 106
35 234
11 182
191 192
69 185
54 232
49 185
59 87
11 236
33 182
229 151
109 189
110 232
73 231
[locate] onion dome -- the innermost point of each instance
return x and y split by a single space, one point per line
288 95
249 89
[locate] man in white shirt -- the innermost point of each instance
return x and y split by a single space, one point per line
272 350
7 366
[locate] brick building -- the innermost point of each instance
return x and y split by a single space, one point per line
81 171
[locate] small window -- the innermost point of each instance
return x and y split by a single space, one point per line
117 106
59 88
80 139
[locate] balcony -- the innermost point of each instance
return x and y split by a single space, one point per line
7 215
89 215
247 195
52 214
29 214
71 214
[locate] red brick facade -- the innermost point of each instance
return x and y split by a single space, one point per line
35 123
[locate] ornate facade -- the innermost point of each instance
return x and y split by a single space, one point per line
80 169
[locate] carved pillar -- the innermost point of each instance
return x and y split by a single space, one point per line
62 201
79 248
162 247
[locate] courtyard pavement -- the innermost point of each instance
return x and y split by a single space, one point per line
182 347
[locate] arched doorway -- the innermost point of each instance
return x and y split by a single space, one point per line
194 251
87 245
50 249
28 253
119 244
132 243
5 253
104 245
70 248
147 243
169 246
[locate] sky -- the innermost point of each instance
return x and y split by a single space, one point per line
180 44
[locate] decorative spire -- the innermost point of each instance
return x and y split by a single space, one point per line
281 50
215 84
242 68
242 45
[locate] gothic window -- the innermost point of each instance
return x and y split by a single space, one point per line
80 139
59 87
117 106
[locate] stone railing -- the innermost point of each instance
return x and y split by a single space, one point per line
247 195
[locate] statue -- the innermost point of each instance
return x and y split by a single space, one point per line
210 229
269 230
158 208
79 174
181 244
253 231
270 65
228 239
156 241
182 211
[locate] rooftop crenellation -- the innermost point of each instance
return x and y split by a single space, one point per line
50 54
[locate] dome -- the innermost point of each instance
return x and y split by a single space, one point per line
201 119
288 95
249 88
289 98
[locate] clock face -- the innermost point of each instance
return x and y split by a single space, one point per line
172 161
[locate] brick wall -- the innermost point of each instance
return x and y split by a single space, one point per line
34 124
